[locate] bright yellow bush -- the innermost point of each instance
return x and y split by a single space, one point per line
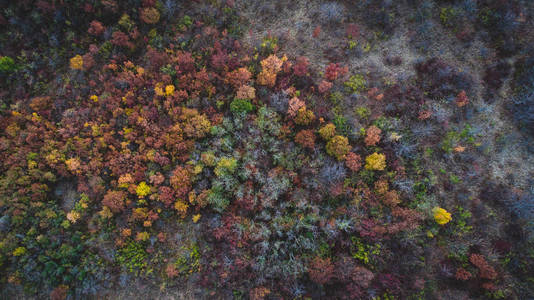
76 62
441 216
142 189
181 207
375 161
169 90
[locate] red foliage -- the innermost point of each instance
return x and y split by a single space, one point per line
301 66
334 70
238 77
486 271
96 28
463 275
353 161
181 182
373 136
352 30
166 195
120 38
325 86
461 99
316 31
114 200
306 138
321 270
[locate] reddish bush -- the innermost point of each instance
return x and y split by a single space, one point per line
166 195
486 271
461 99
238 77
352 30
96 28
373 136
306 138
463 275
353 161
301 66
321 270
114 200
333 71
181 182
120 38
316 31
325 86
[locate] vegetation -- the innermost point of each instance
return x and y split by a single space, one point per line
202 150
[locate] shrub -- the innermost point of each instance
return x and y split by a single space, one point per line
461 99
239 106
328 131
356 83
306 138
353 161
301 66
321 270
375 161
96 28
373 136
142 189
338 147
225 166
133 257
246 92
270 67
324 86
304 117
486 271
76 62
333 71
149 15
114 200
238 77
7 64
441 216
295 104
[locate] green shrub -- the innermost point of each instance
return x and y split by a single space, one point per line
7 64
241 106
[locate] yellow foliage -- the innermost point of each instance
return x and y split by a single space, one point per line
441 216
338 146
105 213
142 236
196 218
375 161
142 189
19 251
328 131
73 164
169 90
181 207
76 62
73 216
158 89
